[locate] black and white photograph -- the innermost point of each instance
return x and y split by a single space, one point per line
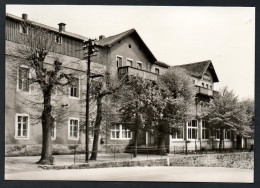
129 93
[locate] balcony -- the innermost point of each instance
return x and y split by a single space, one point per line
205 91
127 70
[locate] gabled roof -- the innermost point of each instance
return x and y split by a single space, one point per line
162 64
48 27
199 68
112 40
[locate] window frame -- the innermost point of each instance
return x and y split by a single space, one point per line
120 130
72 97
192 127
230 134
215 131
56 39
16 126
128 59
177 135
117 62
71 137
21 30
157 68
18 79
139 62
54 132
204 129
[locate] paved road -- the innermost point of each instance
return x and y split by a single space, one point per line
166 174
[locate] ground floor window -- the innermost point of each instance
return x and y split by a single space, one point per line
193 129
22 126
53 132
228 134
178 135
118 131
205 130
217 133
73 129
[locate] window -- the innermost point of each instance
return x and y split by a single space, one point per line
23 29
58 39
139 65
120 132
53 132
178 135
22 126
119 61
74 89
217 133
157 70
210 86
207 85
202 84
194 81
129 62
193 129
205 130
228 134
23 79
73 129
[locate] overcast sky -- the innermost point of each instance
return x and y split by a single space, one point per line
175 35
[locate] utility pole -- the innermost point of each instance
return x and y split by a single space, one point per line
90 47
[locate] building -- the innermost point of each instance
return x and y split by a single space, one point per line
124 53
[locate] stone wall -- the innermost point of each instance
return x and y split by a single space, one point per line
243 160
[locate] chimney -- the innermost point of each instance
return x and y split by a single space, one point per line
24 17
101 37
61 27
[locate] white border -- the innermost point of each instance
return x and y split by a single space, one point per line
16 126
72 138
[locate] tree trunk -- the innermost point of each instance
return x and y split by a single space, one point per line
135 143
221 139
162 150
47 123
97 129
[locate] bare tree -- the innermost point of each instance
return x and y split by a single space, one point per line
32 51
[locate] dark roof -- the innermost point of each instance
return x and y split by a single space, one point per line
48 27
199 68
162 64
112 40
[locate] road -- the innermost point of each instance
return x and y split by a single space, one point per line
165 174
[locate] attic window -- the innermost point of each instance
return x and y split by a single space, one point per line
58 39
129 45
23 29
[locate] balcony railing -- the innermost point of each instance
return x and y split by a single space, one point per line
127 70
206 91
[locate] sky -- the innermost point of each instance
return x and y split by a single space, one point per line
175 35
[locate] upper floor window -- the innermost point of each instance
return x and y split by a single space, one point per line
22 126
119 61
194 81
139 65
202 84
207 85
23 79
129 62
210 86
157 70
23 29
73 129
205 130
120 132
193 129
74 88
58 39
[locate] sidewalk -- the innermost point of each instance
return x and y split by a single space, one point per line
28 163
